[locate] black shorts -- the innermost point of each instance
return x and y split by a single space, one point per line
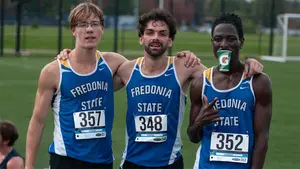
178 164
63 162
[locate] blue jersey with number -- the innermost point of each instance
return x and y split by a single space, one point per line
228 144
155 113
83 109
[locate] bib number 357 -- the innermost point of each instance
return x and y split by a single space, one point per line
89 124
89 119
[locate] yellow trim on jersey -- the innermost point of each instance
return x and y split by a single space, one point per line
208 74
245 76
64 63
171 60
139 61
98 55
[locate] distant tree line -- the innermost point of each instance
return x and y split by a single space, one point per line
255 12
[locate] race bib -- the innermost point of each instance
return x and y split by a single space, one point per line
89 124
229 147
151 128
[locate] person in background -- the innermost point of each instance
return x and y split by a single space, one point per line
9 157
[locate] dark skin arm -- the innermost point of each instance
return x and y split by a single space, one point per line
201 114
195 131
262 119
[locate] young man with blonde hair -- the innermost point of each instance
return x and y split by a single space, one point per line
80 92
156 86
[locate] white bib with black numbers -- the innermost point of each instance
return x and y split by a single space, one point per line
229 147
152 128
89 124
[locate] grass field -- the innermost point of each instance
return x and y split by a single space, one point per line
47 38
18 83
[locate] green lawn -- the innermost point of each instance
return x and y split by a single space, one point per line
18 83
47 38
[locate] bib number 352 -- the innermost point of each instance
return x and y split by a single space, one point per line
229 147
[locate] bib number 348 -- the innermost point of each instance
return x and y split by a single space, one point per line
152 128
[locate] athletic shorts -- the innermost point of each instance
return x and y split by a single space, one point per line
178 164
63 162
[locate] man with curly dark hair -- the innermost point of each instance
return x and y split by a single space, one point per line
156 86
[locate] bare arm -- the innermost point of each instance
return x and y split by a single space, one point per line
46 88
195 131
15 163
125 70
118 84
252 66
186 74
202 112
114 61
262 119
197 73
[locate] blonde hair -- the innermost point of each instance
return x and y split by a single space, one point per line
83 11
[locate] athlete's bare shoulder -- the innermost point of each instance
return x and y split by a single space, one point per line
180 64
128 64
109 56
125 70
15 162
114 60
261 83
51 68
50 74
186 74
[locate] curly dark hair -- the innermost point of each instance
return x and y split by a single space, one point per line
8 132
229 18
157 15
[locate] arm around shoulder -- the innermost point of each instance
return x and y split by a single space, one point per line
115 60
189 72
198 71
15 163
262 118
125 70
